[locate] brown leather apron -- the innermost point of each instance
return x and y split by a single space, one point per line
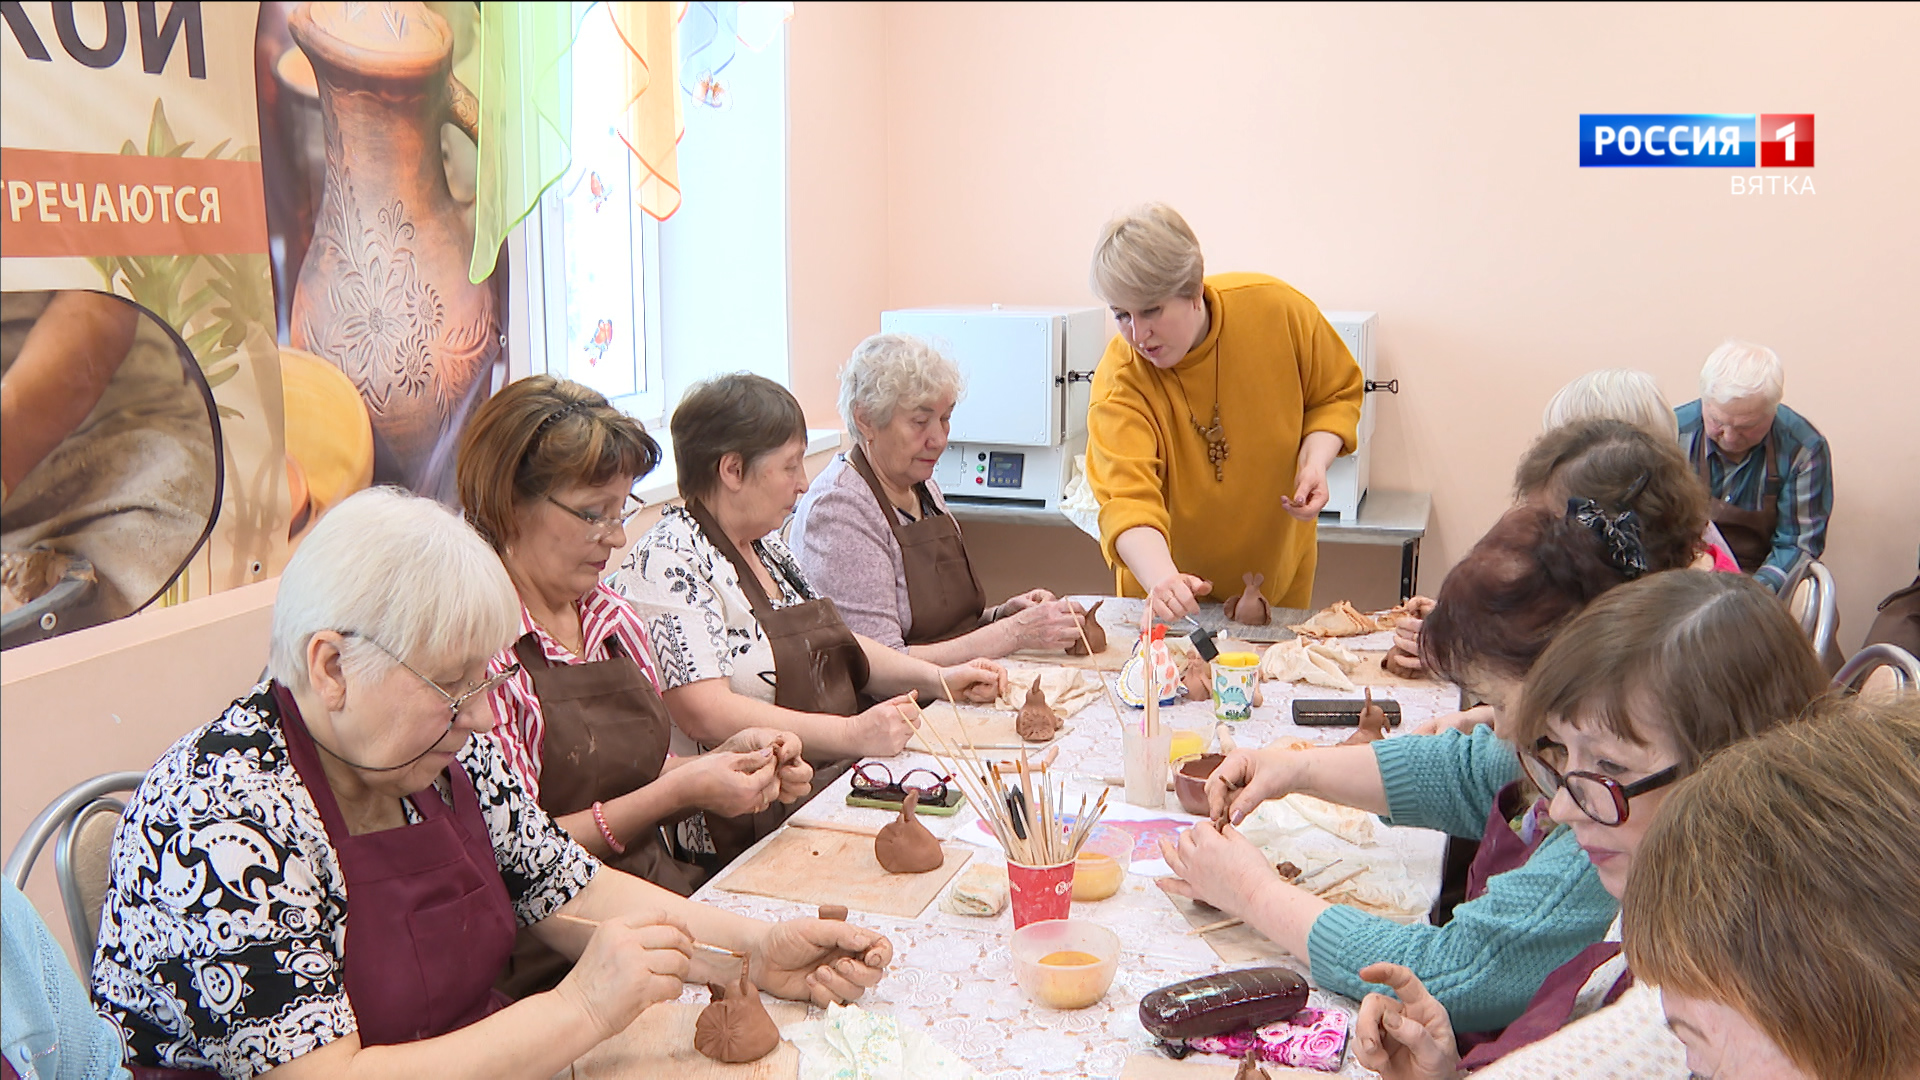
1749 533
818 667
943 592
606 735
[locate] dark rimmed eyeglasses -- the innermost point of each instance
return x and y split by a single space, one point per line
873 778
453 703
1601 798
600 524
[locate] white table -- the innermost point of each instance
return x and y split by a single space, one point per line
952 976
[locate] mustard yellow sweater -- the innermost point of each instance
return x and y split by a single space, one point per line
1283 372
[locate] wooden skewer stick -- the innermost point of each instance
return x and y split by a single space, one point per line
1341 880
593 924
1223 924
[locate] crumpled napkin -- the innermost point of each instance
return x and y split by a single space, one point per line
853 1044
1296 661
1068 690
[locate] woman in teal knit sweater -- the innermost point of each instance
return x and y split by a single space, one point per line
1533 900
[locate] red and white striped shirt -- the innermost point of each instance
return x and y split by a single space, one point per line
521 728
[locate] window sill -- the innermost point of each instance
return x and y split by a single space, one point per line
662 485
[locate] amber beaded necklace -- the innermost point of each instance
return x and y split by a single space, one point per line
1214 434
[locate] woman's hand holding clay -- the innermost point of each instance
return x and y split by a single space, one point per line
1217 865
980 682
1014 605
1045 627
1406 635
818 960
1408 1039
796 776
731 784
1248 778
630 963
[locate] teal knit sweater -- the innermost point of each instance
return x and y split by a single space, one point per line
1491 957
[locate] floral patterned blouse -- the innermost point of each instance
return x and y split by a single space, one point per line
697 616
223 934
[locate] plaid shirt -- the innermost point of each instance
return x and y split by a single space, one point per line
522 729
1805 489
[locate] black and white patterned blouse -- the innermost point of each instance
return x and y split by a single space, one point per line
697 616
223 935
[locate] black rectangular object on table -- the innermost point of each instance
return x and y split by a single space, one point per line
1340 712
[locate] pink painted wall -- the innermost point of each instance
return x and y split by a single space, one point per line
1419 160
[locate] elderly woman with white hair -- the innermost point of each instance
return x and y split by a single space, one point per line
1772 506
350 783
874 534
1215 414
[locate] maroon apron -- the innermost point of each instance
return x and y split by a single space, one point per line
1501 849
1552 1006
818 667
429 924
1749 533
606 735
943 592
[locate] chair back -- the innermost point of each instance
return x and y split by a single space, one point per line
1906 669
1814 602
82 822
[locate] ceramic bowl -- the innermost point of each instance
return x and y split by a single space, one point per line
1190 781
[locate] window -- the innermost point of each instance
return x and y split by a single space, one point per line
638 309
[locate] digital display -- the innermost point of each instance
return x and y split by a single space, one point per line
1004 470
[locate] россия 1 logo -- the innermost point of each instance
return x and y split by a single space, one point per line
1696 140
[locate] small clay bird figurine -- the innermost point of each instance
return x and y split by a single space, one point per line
735 1028
1094 635
1250 607
1373 723
905 846
1037 721
1198 679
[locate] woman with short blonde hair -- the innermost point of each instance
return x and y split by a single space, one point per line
873 531
1215 413
1613 394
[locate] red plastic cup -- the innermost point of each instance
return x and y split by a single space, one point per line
1039 892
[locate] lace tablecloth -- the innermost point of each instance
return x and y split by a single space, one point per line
952 976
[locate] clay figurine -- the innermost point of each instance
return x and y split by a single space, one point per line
1198 679
1250 607
1037 721
1373 723
1250 1068
905 846
833 912
1095 634
735 1028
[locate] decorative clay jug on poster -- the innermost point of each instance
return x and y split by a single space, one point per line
383 293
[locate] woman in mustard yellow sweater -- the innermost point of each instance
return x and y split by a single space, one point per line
1216 411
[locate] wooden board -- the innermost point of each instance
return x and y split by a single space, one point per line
1203 1067
660 1043
990 729
828 866
1241 945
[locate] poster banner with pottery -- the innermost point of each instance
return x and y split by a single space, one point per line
368 149
143 448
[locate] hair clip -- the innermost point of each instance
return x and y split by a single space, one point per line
1619 532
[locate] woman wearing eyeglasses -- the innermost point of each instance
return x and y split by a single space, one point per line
326 880
545 472
1531 900
1635 694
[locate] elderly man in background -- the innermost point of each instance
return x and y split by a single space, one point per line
1771 506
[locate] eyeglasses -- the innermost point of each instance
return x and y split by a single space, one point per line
599 524
453 704
874 778
1601 798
